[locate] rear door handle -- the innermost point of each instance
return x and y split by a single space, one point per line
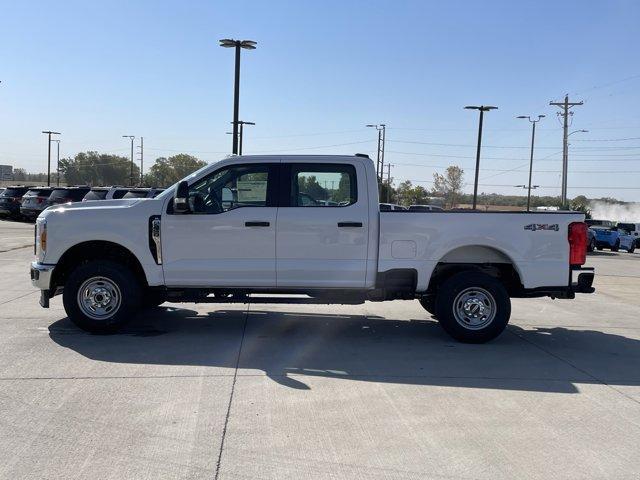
349 224
256 224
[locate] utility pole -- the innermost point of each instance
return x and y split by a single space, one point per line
132 138
49 133
565 113
141 147
388 196
382 133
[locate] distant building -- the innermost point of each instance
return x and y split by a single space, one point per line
6 172
547 209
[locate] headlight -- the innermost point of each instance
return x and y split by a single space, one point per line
42 236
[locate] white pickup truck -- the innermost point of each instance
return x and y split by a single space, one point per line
309 227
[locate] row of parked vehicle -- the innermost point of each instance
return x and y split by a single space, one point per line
21 201
613 236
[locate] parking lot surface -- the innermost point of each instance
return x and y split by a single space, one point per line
375 391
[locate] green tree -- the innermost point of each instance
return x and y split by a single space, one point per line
94 168
449 185
167 171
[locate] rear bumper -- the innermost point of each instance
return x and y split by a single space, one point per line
582 279
30 212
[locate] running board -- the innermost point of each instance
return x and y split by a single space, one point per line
253 298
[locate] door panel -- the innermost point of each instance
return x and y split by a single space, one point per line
312 250
228 239
220 250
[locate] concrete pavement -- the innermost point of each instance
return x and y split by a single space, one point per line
375 391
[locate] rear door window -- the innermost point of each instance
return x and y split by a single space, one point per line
323 185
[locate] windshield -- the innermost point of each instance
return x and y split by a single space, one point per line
169 190
136 194
12 192
96 195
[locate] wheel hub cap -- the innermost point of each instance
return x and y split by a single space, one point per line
474 308
99 298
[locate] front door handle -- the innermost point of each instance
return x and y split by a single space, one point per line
349 224
256 224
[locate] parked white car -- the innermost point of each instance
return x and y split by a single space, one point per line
301 224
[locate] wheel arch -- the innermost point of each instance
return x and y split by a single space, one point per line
484 258
96 250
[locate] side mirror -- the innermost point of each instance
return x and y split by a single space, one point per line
181 200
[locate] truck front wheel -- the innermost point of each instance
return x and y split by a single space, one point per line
101 296
473 307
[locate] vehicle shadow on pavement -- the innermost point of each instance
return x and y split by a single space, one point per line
287 346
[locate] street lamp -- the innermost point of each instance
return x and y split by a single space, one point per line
382 133
242 124
49 133
132 138
482 109
238 45
533 137
58 164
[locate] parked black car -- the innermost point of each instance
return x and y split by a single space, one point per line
34 201
10 200
67 194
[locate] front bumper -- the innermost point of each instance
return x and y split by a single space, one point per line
41 275
582 279
41 278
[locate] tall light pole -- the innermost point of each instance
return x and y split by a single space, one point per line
49 133
238 45
565 169
533 138
482 109
382 133
58 164
241 134
132 138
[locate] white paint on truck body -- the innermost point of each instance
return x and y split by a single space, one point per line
305 247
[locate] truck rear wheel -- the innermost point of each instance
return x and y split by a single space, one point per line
101 296
473 307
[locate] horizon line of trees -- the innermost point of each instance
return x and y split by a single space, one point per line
93 168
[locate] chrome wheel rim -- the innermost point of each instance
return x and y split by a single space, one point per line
99 298
474 308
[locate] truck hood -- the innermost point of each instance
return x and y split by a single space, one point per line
95 205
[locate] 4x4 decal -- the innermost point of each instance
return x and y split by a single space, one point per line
542 226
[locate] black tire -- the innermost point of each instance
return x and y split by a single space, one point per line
632 248
429 304
600 248
616 247
592 245
100 276
450 311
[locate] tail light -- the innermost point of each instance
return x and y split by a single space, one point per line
577 243
39 199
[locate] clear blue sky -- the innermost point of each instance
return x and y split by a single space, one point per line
98 70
